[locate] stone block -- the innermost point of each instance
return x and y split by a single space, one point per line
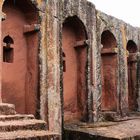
7 109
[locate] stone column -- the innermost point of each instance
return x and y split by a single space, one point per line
50 67
123 74
138 80
2 16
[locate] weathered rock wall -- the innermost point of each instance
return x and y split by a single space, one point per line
123 33
52 15
51 56
85 11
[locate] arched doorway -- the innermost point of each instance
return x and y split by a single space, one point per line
20 55
132 62
74 68
109 69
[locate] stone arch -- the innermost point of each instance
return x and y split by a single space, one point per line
132 64
8 40
132 47
7 49
108 39
74 75
20 78
109 69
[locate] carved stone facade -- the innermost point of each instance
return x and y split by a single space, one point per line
67 61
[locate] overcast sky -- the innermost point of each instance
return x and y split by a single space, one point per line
127 10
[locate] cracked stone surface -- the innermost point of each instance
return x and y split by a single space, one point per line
115 130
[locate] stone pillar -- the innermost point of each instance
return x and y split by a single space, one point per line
50 68
138 80
2 16
123 74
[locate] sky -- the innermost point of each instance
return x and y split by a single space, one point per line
126 10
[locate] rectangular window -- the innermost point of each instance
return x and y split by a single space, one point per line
8 54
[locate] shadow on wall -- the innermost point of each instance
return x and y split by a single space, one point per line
132 74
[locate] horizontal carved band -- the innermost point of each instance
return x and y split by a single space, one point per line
3 16
31 28
109 51
82 43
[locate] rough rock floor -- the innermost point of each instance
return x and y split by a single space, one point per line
123 130
22 127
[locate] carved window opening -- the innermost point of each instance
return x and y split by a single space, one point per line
8 51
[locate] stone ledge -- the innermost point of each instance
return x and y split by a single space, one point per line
32 124
123 130
7 109
29 135
16 117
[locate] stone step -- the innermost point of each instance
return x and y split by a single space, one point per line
7 109
109 116
125 130
29 135
32 124
15 117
